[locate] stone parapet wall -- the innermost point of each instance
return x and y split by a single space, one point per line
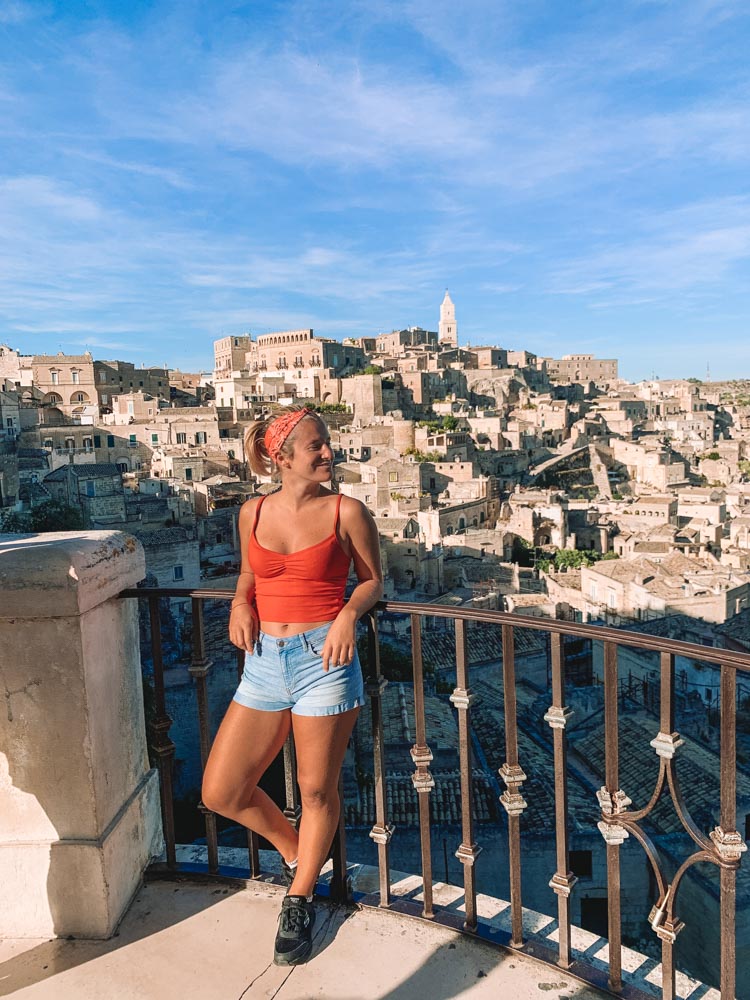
79 805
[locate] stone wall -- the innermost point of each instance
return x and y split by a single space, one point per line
79 806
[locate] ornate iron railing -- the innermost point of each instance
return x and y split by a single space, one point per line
722 847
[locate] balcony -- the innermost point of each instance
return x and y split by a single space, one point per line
186 943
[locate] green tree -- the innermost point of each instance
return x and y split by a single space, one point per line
50 515
372 370
329 407
423 456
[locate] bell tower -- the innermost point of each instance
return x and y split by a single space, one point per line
447 332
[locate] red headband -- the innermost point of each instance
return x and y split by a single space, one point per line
280 429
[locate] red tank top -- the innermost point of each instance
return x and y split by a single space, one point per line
303 586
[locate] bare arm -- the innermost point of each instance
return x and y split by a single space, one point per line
243 618
360 531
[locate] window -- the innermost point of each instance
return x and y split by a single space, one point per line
188 474
110 440
55 376
97 440
177 573
580 863
133 441
592 591
219 538
392 477
103 377
48 443
90 488
181 437
200 437
88 444
154 438
105 398
76 377
611 598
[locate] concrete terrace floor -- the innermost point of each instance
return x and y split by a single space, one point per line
198 941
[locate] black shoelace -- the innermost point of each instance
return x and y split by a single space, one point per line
293 918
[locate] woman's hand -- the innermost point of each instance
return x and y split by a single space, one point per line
340 644
243 627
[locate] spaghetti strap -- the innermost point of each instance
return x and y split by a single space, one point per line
338 510
257 514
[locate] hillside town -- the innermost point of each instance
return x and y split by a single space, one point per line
498 479
485 468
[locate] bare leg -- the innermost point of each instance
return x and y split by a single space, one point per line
246 743
321 743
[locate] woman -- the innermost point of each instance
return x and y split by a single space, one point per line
301 666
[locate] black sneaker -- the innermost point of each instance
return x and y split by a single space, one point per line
288 872
294 937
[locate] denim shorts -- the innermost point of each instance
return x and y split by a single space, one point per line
288 673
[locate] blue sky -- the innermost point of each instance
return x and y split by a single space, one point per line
575 172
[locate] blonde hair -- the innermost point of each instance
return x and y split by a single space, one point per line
256 452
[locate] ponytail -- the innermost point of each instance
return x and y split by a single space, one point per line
255 448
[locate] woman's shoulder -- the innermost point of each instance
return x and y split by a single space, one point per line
353 510
249 507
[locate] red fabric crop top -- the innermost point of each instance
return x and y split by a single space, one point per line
303 586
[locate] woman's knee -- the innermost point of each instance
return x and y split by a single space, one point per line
224 799
318 796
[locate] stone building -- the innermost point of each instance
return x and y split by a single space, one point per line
540 517
122 377
133 406
650 463
401 342
363 394
79 388
288 350
96 490
404 553
68 386
447 329
230 354
15 367
642 589
582 368
10 411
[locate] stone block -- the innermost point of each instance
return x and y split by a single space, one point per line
79 805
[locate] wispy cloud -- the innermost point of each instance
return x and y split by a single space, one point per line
691 248
17 11
178 171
